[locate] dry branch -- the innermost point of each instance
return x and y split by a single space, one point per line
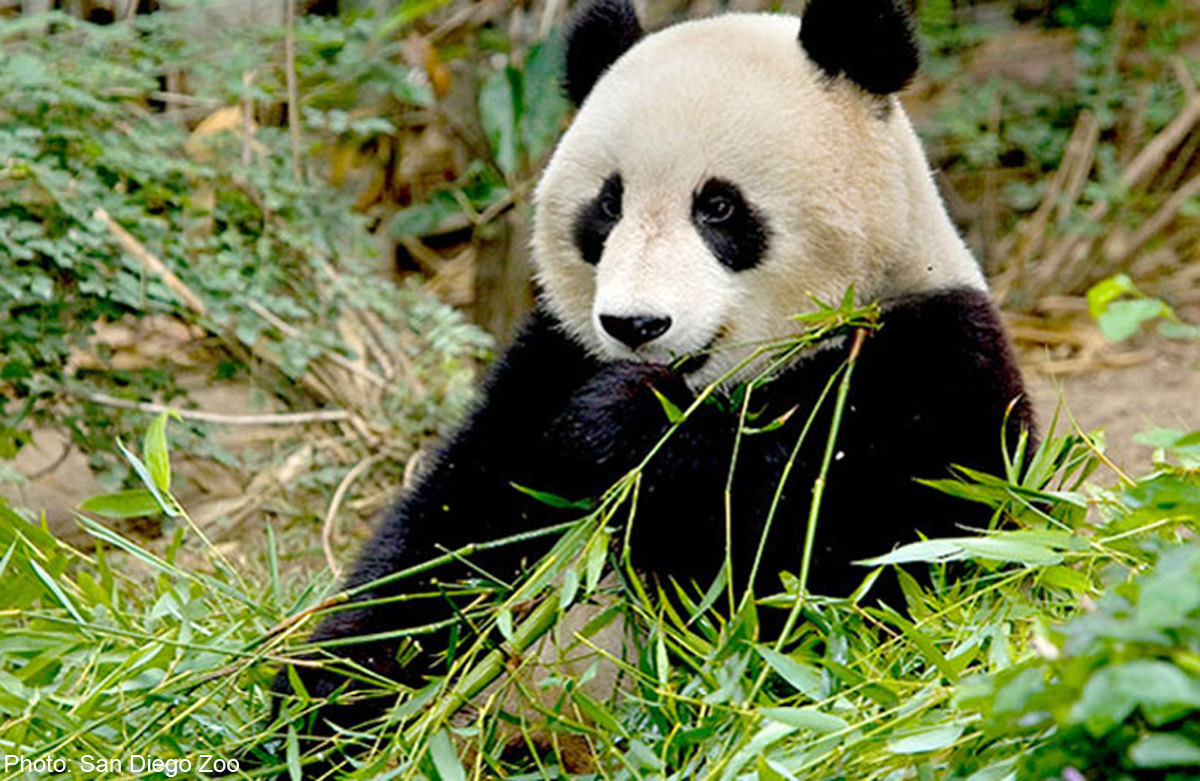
472 17
163 97
1062 193
240 509
1087 364
138 250
1122 251
1064 265
328 528
340 360
221 418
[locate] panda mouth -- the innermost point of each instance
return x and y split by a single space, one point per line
698 359
690 364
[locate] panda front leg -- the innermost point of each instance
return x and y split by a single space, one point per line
680 523
395 630
552 420
465 497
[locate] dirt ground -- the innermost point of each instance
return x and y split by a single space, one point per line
1161 388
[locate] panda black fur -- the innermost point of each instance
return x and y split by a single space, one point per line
681 214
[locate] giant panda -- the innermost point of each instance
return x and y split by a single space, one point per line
719 177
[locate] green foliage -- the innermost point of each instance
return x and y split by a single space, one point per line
523 110
105 665
1121 310
1118 694
1114 692
989 672
1103 13
852 691
82 131
1085 13
1018 132
177 662
154 470
945 35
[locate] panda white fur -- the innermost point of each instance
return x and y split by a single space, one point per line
718 174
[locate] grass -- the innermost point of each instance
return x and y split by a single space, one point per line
123 653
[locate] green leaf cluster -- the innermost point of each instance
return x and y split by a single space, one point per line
992 669
523 111
1119 693
1121 310
85 126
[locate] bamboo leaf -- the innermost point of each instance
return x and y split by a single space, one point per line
295 772
924 741
803 679
134 503
499 101
557 502
445 758
806 718
154 451
504 622
674 414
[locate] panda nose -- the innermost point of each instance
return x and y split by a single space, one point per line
637 330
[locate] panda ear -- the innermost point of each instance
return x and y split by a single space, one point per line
871 42
596 37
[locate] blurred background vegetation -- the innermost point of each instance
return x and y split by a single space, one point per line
305 228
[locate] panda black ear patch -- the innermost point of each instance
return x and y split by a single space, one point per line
596 37
871 42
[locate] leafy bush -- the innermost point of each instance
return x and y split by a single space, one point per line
1118 694
112 212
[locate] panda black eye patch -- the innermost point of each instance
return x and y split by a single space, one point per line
733 229
598 217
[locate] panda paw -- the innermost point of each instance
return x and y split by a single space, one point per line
620 412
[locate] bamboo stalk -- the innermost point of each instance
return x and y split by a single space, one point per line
860 337
814 509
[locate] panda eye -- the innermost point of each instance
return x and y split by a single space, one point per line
610 206
597 217
733 228
716 209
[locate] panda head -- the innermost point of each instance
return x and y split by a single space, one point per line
722 173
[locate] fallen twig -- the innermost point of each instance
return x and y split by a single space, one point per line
328 527
252 497
162 97
266 419
1094 362
293 333
138 250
